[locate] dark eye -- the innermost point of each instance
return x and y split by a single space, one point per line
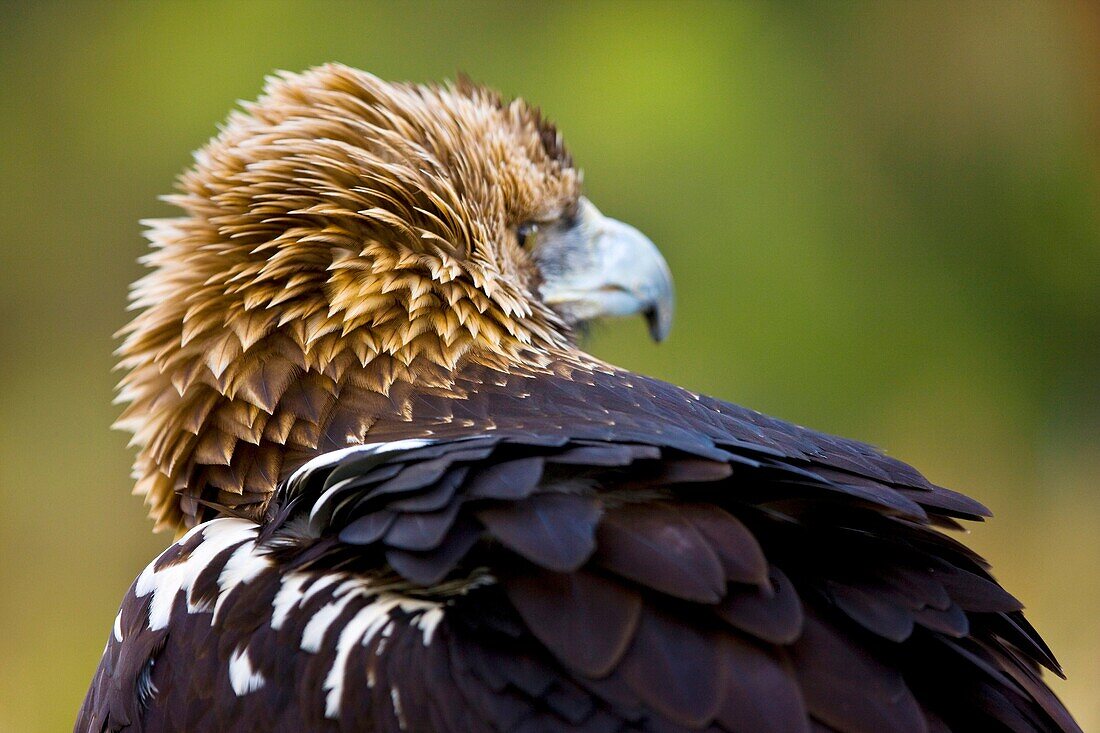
527 233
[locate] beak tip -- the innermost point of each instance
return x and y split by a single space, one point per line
659 322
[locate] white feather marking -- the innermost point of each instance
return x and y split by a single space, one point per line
353 632
118 626
242 677
167 583
395 698
320 584
428 621
146 690
387 632
321 504
287 599
362 628
327 459
291 595
318 624
242 567
145 581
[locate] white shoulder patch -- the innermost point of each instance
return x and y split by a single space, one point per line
167 583
243 566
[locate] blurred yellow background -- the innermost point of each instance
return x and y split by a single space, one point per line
882 217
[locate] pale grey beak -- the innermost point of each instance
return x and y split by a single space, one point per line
596 266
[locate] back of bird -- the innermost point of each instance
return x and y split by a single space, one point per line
408 501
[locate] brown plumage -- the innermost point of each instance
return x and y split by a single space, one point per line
415 504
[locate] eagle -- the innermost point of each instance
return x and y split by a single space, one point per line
405 499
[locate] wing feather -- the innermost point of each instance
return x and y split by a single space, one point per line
611 554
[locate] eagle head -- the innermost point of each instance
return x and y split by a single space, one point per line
350 241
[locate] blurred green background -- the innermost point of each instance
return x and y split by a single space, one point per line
882 217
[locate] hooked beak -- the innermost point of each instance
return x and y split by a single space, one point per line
598 266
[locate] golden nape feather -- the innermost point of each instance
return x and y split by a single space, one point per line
340 231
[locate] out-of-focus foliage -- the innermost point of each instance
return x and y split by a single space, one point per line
882 218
